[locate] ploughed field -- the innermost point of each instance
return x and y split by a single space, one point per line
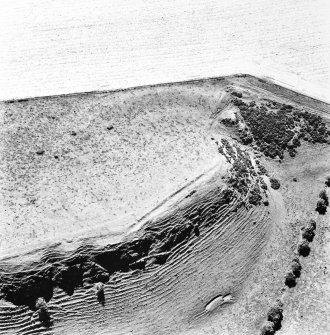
195 207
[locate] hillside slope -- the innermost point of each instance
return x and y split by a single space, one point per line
165 209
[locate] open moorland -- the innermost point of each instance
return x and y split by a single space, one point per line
198 207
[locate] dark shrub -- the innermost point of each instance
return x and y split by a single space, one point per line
294 179
247 139
263 185
255 196
327 181
296 267
308 234
275 131
267 328
42 310
237 94
323 195
292 152
99 289
274 183
321 206
275 315
304 249
296 142
266 203
262 169
290 279
229 122
311 224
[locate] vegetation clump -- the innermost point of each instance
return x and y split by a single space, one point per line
239 179
308 234
323 195
243 174
263 185
255 196
327 181
274 319
277 127
229 121
304 248
321 206
99 289
311 224
262 169
267 328
290 279
275 315
274 183
42 310
296 267
237 94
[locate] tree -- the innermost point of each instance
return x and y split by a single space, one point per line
42 310
275 315
267 328
303 248
274 183
321 206
296 267
327 181
99 288
311 224
290 279
308 234
323 195
237 94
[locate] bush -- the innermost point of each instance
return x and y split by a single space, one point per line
311 224
255 196
42 310
274 183
99 288
323 195
263 185
267 328
262 169
327 181
304 249
308 234
237 94
276 131
296 267
290 279
275 315
321 206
